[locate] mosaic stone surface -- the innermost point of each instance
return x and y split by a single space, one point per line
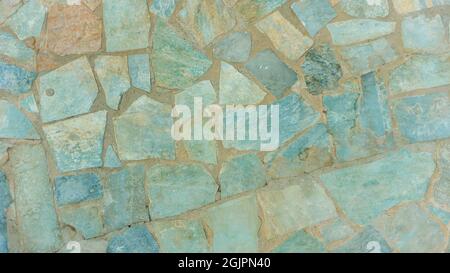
358 109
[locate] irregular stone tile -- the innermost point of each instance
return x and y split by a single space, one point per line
336 231
423 118
314 14
443 215
125 200
29 104
127 25
420 72
367 57
366 8
403 7
86 220
241 173
8 7
251 10
111 159
216 19
58 99
139 68
235 88
14 79
73 29
284 36
174 189
365 191
235 47
179 236
368 241
177 64
305 154
28 20
14 124
234 225
275 75
77 143
143 131
321 69
424 34
16 50
293 207
359 30
112 72
33 197
136 239
77 188
5 201
441 191
46 61
301 242
163 8
410 229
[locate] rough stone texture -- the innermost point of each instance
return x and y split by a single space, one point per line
235 47
136 239
314 14
359 30
76 189
28 20
366 8
14 79
300 242
14 124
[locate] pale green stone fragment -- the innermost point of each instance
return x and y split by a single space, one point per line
36 218
366 8
29 104
336 231
441 191
111 159
424 34
251 10
359 30
234 225
174 189
163 8
367 241
314 14
112 72
14 124
301 242
139 68
234 47
86 220
365 191
17 50
28 20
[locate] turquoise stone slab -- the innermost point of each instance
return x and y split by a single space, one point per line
251 10
235 47
14 79
241 173
314 14
174 189
367 241
275 75
77 143
420 72
181 236
86 220
125 200
58 100
443 215
359 30
300 242
14 124
234 226
126 24
366 191
176 63
163 8
77 188
441 192
424 34
17 50
423 118
36 218
111 159
139 68
28 20
5 201
143 131
136 239
336 231
29 104
366 8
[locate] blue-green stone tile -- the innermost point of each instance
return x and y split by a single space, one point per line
368 241
365 8
275 75
443 215
77 143
111 159
126 24
77 188
5 201
441 191
14 124
424 34
202 150
16 50
314 14
300 242
29 104
174 189
143 131
235 47
7 8
251 10
125 200
336 231
365 191
176 63
36 218
359 30
136 239
57 98
163 8
14 79
139 68
28 20
234 225
241 173
86 220
423 118
181 236
321 69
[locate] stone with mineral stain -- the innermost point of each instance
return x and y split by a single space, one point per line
403 7
14 79
251 10
77 188
17 50
86 220
8 7
28 20
163 8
